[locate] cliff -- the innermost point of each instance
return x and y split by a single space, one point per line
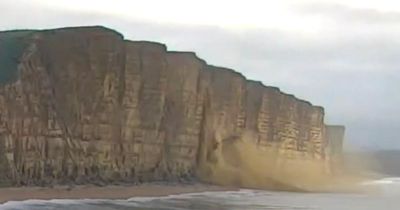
84 105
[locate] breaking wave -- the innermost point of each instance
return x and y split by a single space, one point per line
229 200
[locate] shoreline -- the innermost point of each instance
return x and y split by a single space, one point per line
106 192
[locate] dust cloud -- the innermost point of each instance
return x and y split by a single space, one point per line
235 162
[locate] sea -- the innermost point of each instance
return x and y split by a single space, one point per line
386 197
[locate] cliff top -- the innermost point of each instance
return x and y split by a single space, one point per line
99 29
11 48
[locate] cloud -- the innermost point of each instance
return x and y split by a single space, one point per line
345 13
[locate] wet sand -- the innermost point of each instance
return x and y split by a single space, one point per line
107 192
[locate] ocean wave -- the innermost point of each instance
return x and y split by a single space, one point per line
131 202
201 200
228 200
37 202
387 180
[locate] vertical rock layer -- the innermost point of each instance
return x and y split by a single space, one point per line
88 106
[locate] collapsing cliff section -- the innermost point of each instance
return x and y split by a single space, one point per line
89 106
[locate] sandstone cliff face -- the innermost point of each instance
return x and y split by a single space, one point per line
85 105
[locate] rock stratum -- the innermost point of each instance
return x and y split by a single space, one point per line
83 105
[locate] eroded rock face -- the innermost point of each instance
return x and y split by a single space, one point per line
89 106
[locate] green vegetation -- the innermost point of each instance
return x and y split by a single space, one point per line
12 45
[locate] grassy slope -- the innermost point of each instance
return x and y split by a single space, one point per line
12 45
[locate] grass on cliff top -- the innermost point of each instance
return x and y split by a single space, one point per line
12 45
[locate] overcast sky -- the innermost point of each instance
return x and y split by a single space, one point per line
342 55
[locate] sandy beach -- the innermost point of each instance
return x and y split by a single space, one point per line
108 192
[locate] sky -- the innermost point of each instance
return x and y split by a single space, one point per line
340 54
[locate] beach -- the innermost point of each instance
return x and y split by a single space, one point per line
197 197
107 192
